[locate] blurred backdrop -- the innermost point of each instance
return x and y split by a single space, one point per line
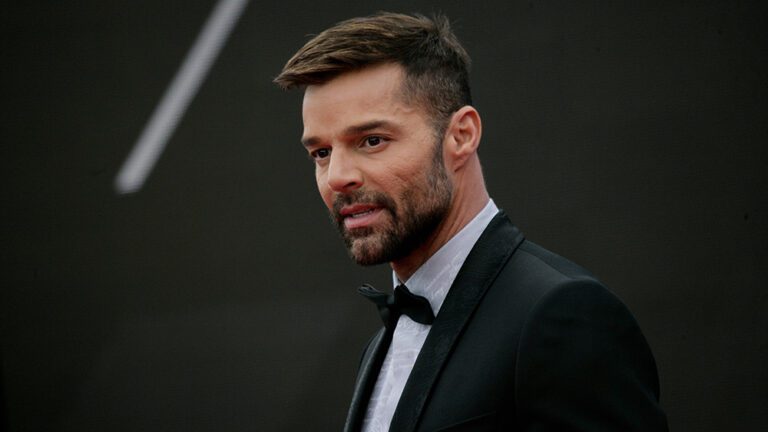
629 137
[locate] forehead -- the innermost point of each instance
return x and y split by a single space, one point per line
370 93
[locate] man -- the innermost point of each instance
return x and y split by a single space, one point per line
507 335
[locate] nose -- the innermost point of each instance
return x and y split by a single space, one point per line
343 173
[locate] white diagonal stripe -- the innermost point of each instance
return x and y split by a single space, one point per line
177 97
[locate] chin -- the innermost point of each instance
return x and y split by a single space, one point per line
367 252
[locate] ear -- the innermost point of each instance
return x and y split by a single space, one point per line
462 136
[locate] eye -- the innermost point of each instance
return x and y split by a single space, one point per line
320 154
373 141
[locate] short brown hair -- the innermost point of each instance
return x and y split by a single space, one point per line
436 65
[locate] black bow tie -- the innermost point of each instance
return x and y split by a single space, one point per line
391 306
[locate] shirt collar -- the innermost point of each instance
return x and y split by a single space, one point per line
435 277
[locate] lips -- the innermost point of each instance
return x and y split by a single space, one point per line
359 215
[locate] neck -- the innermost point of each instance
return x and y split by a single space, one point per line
464 208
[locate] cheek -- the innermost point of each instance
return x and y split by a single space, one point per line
404 177
325 192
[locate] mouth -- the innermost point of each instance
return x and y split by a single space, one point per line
359 215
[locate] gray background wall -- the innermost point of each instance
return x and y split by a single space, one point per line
627 136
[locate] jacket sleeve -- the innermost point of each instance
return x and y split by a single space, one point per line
584 365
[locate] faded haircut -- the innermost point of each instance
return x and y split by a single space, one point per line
436 65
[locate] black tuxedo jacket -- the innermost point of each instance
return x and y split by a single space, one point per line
525 341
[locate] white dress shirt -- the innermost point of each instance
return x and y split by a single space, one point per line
432 280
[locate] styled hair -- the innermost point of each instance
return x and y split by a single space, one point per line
436 66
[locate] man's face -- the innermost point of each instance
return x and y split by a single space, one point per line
378 163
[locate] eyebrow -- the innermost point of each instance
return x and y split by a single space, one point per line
365 127
352 130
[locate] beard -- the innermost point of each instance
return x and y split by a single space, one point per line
410 221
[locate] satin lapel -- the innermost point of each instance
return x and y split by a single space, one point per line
366 379
494 247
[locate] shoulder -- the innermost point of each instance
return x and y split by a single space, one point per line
548 265
579 342
534 275
556 292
